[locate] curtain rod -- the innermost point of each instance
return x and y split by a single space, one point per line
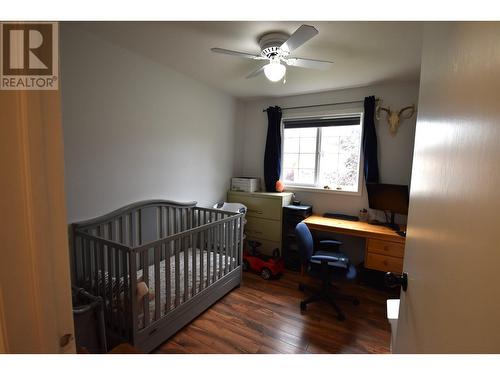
322 105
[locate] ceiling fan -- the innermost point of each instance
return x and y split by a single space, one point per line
276 48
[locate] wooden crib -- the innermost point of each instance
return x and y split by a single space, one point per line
157 265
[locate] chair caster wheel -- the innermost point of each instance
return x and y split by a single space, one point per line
340 318
303 306
301 287
355 302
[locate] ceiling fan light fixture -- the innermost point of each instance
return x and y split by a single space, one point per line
274 71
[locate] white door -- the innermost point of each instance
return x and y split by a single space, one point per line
452 258
35 298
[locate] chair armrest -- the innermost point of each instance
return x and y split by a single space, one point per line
330 242
329 245
330 258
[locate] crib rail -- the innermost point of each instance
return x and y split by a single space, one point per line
102 267
175 252
188 262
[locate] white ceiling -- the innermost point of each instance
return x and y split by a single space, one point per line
363 53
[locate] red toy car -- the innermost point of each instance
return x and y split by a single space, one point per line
267 266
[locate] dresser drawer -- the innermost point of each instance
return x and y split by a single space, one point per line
392 249
267 246
263 228
260 207
383 263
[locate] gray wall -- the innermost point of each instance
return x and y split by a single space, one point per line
395 152
134 129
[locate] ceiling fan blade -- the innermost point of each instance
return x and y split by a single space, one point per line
255 73
309 63
236 53
299 37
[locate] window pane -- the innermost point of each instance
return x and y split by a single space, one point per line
308 132
339 158
329 143
292 133
291 145
299 155
290 161
290 175
306 176
307 161
308 145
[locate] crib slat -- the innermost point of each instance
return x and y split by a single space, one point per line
217 257
240 236
126 302
185 248
116 289
227 247
157 283
158 222
168 282
221 249
104 278
202 261
235 243
109 291
169 221
139 227
235 240
82 260
96 269
209 256
231 248
227 258
177 273
194 252
130 231
162 222
214 249
145 278
111 230
133 290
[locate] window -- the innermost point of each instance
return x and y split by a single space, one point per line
322 153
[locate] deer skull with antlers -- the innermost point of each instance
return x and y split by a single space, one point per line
394 117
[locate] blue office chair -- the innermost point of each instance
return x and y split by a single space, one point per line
324 264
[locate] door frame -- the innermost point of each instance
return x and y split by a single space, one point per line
35 287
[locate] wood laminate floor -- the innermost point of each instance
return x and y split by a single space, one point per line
264 317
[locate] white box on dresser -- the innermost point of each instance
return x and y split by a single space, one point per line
246 184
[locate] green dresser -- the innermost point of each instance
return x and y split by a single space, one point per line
264 217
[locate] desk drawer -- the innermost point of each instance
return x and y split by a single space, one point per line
267 208
392 249
383 263
263 228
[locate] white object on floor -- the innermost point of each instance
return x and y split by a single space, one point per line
392 316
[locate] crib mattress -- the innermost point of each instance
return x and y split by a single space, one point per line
208 274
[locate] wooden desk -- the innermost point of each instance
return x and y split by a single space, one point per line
384 249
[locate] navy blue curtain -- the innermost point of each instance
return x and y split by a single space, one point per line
272 155
370 142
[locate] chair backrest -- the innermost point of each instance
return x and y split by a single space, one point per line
305 242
